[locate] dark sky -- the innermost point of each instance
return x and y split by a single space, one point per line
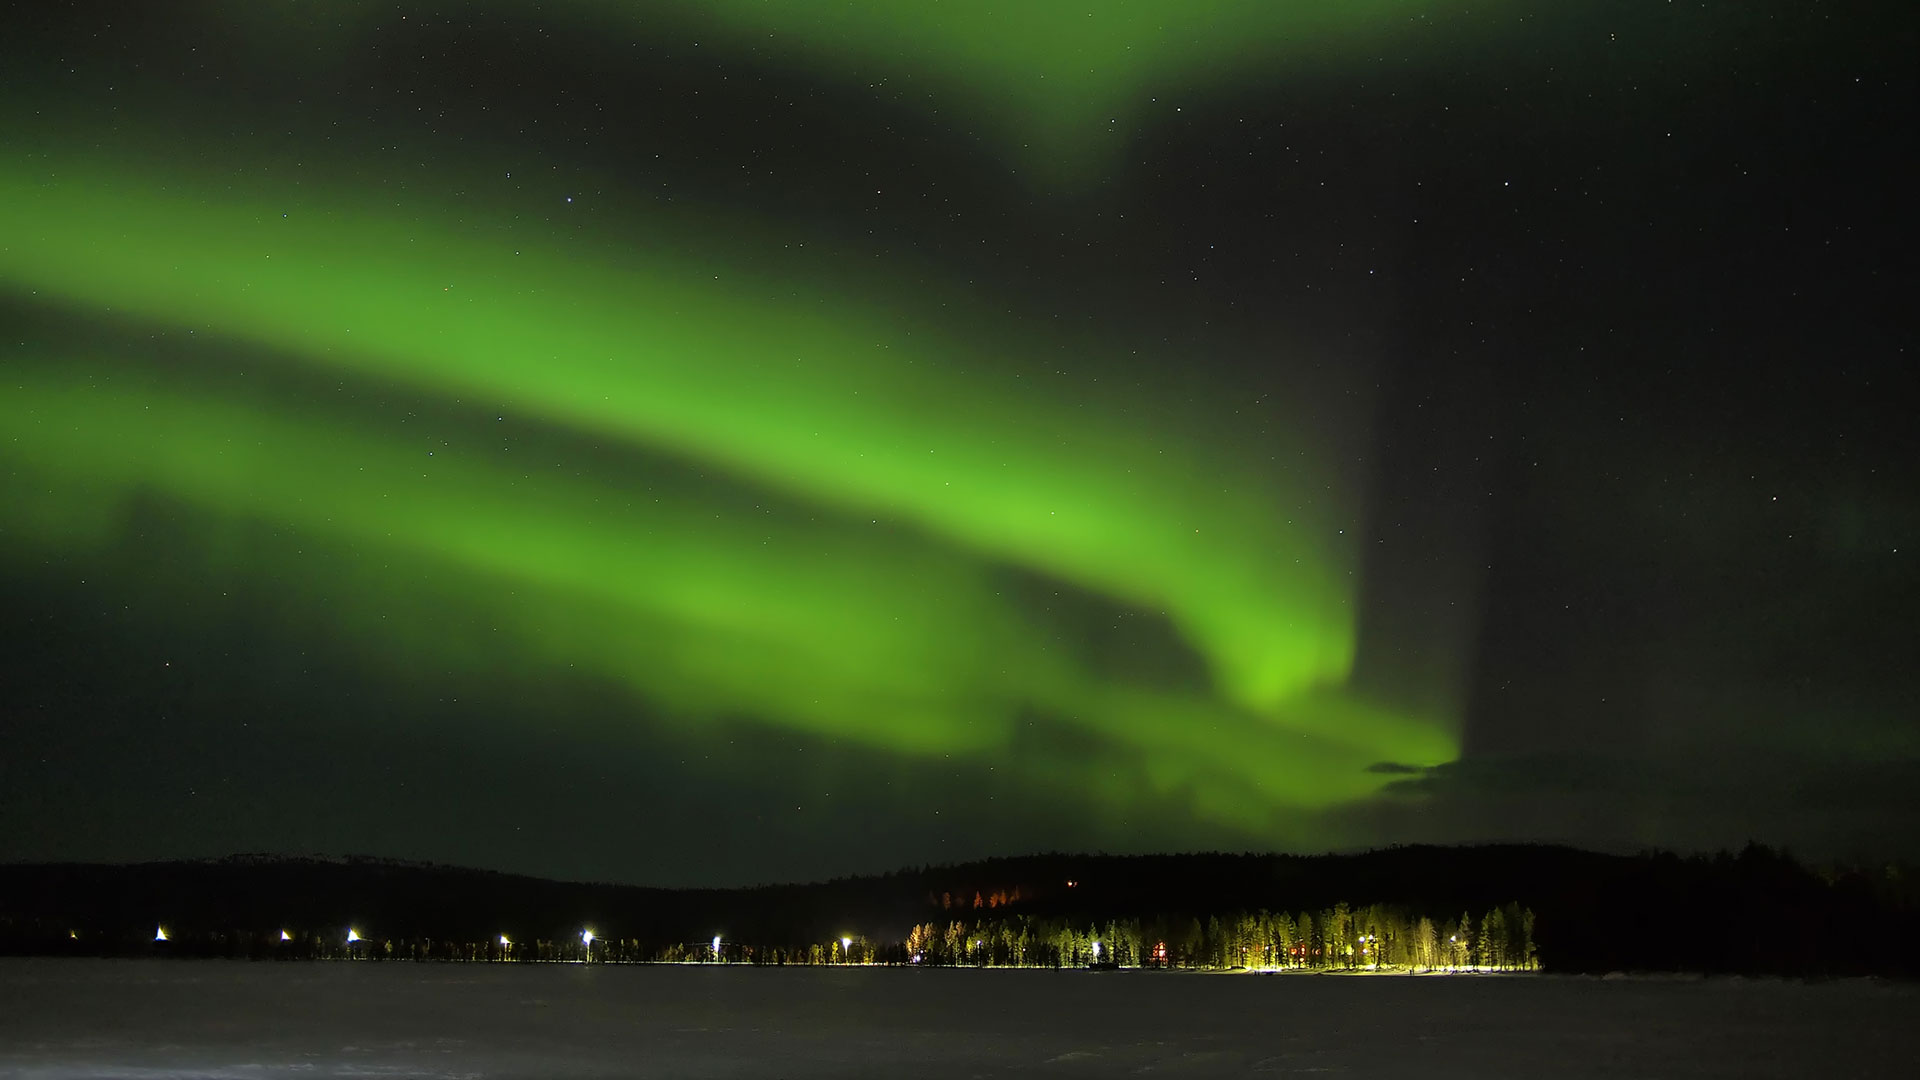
683 443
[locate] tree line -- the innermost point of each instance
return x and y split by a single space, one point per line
1418 908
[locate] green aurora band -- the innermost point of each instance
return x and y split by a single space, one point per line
917 464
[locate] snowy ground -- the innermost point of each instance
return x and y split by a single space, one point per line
133 1019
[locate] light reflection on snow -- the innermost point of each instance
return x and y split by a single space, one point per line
160 1019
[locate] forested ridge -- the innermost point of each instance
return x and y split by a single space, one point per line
1500 907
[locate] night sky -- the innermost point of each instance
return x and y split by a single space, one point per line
714 442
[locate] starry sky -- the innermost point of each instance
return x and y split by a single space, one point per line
720 442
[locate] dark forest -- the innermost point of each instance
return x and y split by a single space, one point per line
1511 907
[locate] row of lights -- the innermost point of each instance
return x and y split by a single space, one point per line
160 934
587 938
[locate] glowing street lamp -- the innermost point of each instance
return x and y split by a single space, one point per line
353 935
586 940
159 933
284 936
504 943
716 946
846 950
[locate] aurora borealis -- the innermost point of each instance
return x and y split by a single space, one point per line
794 442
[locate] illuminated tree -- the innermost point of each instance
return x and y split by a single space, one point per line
1529 958
1308 937
1339 935
1459 941
1491 945
1426 944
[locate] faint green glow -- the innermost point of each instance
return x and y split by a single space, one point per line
1057 83
1060 78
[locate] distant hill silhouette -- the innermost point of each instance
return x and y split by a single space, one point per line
1755 912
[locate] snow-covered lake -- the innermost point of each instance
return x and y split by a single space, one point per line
151 1019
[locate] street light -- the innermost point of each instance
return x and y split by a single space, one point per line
159 933
846 950
586 941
